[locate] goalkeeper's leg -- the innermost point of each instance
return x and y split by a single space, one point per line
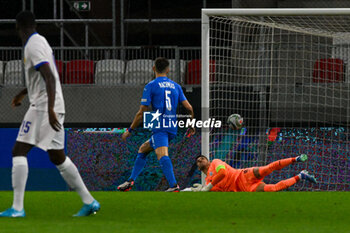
284 184
263 171
279 186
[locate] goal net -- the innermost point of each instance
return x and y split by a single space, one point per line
287 75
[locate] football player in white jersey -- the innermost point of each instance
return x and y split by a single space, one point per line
42 125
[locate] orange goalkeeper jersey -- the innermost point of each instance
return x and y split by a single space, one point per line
230 182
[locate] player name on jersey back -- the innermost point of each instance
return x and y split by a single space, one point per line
166 85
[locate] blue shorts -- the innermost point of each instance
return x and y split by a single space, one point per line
160 139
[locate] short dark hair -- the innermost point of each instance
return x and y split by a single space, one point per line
202 156
25 19
161 64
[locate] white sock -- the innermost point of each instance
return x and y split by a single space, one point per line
71 175
19 180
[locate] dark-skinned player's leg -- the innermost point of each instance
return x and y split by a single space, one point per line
57 157
19 172
72 177
19 179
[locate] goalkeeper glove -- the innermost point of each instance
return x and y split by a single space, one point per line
196 187
201 188
206 188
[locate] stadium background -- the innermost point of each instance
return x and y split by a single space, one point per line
97 101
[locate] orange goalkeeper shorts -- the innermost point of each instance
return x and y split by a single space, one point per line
247 182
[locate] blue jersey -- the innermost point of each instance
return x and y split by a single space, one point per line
164 95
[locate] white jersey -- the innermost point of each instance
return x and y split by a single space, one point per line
37 52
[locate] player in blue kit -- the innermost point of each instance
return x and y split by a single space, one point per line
164 95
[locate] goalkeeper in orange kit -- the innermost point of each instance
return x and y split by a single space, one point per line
221 177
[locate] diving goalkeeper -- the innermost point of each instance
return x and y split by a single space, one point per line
221 177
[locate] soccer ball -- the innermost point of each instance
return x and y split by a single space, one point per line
235 121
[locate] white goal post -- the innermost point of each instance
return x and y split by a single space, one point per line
286 72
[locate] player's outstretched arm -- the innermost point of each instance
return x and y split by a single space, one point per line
221 173
189 109
136 122
17 100
50 82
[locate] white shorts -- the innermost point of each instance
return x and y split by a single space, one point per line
36 130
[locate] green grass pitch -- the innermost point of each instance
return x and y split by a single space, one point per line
183 212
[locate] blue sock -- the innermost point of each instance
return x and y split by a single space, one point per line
167 168
140 162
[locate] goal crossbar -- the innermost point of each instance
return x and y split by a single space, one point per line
276 12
